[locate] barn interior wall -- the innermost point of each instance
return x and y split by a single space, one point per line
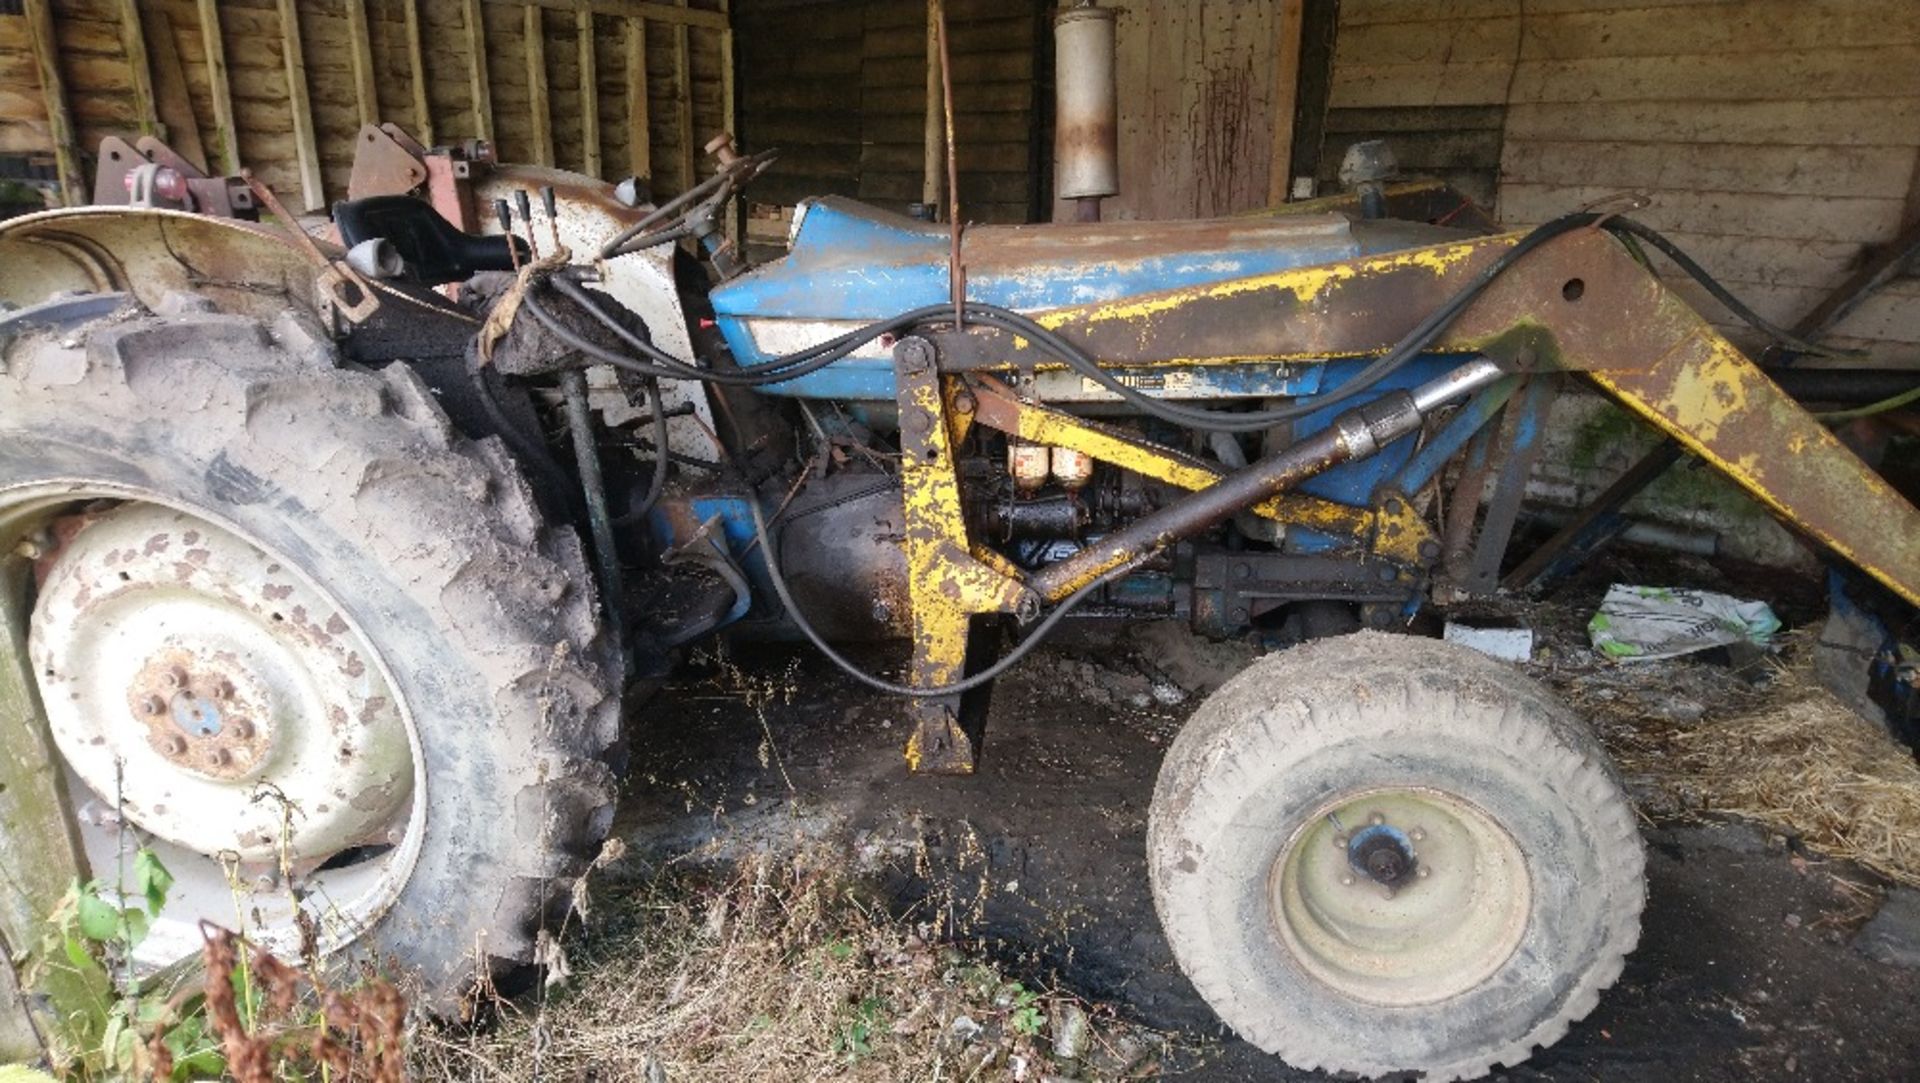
532 101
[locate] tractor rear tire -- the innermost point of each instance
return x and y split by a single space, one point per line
224 440
1378 854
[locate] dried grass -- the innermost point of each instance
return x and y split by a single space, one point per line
1801 763
783 972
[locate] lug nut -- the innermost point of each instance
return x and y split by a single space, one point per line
174 678
1376 819
153 705
1346 880
1340 840
219 757
223 690
174 746
242 729
1417 835
1423 872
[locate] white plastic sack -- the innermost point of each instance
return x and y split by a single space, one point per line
1639 624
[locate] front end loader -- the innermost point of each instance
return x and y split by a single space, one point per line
329 559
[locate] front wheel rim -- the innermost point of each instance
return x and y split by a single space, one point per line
1400 896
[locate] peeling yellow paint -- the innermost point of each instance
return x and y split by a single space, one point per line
1305 283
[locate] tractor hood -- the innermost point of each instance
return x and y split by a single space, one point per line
850 261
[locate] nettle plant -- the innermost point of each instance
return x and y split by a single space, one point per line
104 1023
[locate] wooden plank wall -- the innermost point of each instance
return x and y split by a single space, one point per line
686 56
1197 108
1778 139
840 87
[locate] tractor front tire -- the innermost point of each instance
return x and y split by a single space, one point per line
1379 854
319 647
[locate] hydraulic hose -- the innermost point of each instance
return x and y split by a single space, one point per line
1012 658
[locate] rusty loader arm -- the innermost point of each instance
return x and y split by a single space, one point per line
1581 303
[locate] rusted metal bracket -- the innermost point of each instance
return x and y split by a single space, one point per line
949 581
1391 528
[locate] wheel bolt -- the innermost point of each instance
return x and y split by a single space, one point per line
1376 819
223 690
173 746
174 678
219 757
242 729
1340 841
1417 835
1346 880
153 705
1423 872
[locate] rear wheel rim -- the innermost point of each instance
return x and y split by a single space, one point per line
270 763
1400 896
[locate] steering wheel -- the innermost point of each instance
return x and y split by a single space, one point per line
692 212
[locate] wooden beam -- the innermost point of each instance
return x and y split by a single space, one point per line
366 95
481 86
534 24
683 103
1286 97
589 94
934 133
226 139
53 93
737 211
40 847
170 94
133 38
639 116
313 186
680 15
417 66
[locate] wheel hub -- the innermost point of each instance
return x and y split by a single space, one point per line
1400 896
201 714
221 701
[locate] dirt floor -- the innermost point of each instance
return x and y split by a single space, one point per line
1744 972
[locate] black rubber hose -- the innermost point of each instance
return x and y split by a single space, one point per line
1013 657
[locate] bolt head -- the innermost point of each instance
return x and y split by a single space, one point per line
219 757
223 690
1417 835
242 728
1346 880
174 746
1340 841
1423 872
153 705
174 677
1376 819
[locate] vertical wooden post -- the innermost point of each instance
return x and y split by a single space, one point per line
536 42
589 93
366 95
313 187
417 65
53 91
934 135
736 217
170 96
639 116
226 138
1286 95
133 38
683 102
482 88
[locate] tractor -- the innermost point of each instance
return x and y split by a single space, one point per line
334 562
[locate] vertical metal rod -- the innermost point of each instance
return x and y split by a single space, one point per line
573 383
956 273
